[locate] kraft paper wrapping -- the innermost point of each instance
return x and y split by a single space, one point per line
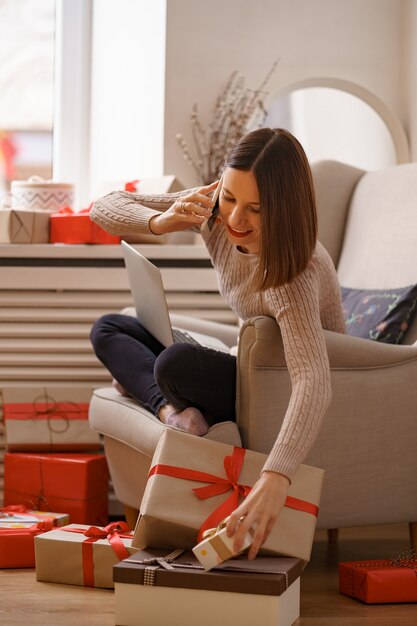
40 419
171 514
24 226
59 557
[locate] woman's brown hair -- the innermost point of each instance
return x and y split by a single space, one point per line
286 195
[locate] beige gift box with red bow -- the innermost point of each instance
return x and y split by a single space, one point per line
194 483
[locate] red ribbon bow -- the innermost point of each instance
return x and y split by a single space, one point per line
233 465
94 533
132 185
14 508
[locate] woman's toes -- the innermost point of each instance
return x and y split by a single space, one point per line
190 420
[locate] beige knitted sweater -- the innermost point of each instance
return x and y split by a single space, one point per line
302 309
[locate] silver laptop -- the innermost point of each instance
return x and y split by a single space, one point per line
151 306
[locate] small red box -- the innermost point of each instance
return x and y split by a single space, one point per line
69 227
18 528
76 484
377 582
17 547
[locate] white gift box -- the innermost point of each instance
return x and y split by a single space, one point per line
218 547
45 195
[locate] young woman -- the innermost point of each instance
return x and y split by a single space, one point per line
265 251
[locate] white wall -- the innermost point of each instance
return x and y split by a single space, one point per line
333 124
356 40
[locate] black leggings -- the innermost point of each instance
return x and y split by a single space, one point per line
182 375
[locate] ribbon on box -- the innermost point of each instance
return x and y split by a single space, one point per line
13 508
132 185
46 407
233 466
113 533
35 529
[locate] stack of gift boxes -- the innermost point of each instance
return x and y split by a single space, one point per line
179 555
53 462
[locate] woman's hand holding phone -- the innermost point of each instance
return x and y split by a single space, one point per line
189 211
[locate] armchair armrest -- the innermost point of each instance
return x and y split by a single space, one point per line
368 438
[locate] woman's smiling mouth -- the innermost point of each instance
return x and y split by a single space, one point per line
238 233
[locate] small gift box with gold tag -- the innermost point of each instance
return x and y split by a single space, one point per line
216 547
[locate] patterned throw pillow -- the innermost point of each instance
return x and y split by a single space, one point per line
383 315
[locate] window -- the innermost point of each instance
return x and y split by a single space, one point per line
27 31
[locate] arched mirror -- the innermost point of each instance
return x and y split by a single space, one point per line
343 122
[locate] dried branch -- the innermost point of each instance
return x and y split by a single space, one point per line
237 110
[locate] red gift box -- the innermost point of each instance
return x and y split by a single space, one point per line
76 484
377 582
17 545
66 226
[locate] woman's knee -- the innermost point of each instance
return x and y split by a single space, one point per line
103 327
172 364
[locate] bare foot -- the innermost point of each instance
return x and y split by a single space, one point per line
191 420
120 389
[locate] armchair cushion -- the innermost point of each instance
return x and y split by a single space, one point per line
380 314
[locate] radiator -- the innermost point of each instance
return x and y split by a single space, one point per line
50 296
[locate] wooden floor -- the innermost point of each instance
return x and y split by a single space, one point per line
23 601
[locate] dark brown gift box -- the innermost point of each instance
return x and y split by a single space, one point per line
238 591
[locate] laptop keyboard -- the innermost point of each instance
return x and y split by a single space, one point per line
181 336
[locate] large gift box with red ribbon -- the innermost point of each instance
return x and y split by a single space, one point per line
380 581
82 555
75 483
195 483
155 588
42 419
67 226
18 528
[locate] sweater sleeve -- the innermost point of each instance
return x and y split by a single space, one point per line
122 212
306 356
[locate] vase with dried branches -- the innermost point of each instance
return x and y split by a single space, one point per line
237 110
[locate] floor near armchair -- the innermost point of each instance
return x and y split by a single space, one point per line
24 601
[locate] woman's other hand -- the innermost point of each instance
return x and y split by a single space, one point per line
259 510
187 212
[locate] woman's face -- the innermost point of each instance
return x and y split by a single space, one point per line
240 209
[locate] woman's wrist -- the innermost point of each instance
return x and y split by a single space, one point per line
153 227
276 477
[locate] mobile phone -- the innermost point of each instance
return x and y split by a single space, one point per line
216 209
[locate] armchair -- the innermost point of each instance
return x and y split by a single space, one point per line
368 441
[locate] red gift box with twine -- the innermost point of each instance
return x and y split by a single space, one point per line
82 555
68 226
380 582
73 483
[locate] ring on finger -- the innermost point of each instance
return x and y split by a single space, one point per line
182 205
